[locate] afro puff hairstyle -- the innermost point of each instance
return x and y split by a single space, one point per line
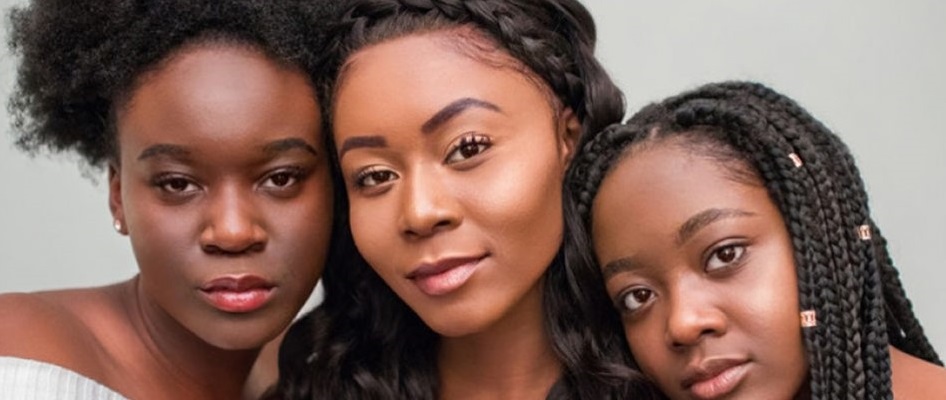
78 60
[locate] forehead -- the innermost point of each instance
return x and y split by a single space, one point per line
218 94
422 72
660 186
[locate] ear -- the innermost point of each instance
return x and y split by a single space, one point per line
115 198
569 129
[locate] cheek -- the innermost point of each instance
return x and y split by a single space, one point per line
374 231
646 341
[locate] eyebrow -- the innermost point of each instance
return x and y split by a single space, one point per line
456 108
274 147
357 142
705 218
169 150
284 145
446 113
615 267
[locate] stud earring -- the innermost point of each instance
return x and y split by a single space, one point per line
117 224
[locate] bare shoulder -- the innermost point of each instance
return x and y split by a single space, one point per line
43 326
914 378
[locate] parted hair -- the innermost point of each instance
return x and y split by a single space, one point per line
79 60
845 273
363 342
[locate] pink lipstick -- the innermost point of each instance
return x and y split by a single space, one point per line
444 276
237 294
715 378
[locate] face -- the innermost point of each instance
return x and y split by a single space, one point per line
223 187
700 266
453 169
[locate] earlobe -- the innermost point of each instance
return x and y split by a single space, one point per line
569 133
115 199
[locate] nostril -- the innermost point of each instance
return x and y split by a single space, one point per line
213 249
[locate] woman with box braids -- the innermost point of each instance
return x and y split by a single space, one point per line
857 324
372 337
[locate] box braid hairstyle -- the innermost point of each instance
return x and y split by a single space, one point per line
363 342
79 60
844 269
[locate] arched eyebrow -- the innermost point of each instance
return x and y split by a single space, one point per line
453 109
439 118
705 218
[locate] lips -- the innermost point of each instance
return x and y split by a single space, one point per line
715 377
444 276
238 294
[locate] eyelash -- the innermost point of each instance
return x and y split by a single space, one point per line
621 302
737 259
294 174
475 141
373 172
163 182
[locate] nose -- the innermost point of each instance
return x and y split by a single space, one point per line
693 316
232 224
427 207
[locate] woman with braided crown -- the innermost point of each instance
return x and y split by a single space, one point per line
453 123
731 230
206 120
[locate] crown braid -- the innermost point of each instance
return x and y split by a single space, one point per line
850 282
554 40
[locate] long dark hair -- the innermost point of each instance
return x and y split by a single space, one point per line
844 269
363 342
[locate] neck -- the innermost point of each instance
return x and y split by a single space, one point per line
180 362
513 359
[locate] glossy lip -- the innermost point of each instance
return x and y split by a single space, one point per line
445 275
714 377
238 293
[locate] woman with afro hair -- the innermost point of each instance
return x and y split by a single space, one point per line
204 116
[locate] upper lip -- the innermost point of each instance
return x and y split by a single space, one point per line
708 369
433 268
237 283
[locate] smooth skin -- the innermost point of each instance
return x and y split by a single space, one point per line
699 264
221 172
458 155
700 267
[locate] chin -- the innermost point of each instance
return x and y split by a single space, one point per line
241 336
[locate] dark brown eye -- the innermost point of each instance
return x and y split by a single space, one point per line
281 179
468 150
176 185
374 176
469 147
725 256
636 298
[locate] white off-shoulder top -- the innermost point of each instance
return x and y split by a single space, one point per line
25 379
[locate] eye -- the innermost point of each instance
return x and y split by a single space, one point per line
468 147
175 184
634 299
283 178
725 257
374 176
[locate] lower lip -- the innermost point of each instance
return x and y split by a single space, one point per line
238 301
446 281
721 384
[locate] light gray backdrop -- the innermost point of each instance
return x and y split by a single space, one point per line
875 71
